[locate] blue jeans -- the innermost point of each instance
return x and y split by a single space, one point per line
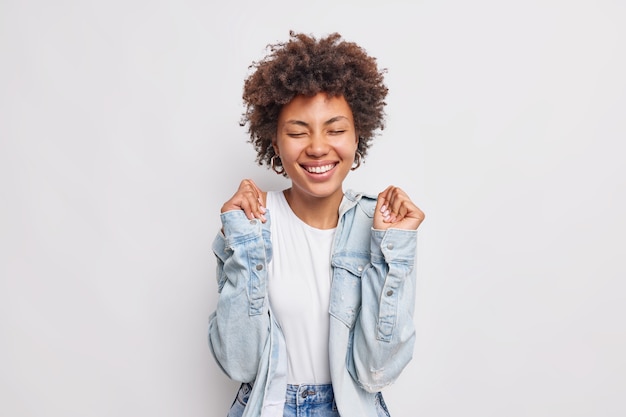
304 401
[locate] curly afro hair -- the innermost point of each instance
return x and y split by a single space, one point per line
306 66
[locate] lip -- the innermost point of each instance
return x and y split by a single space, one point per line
327 169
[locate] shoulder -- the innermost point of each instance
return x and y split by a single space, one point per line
365 201
272 197
357 219
358 196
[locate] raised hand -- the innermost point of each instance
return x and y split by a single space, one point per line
395 209
248 198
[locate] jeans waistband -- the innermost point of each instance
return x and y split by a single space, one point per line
312 394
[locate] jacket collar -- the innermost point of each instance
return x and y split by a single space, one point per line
350 199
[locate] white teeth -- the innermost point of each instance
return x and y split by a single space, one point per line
320 170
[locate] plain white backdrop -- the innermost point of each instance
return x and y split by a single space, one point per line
120 141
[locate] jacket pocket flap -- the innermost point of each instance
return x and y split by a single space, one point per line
355 263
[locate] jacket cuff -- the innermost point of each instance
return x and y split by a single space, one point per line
238 228
394 246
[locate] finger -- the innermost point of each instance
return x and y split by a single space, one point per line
379 211
248 186
258 194
394 200
380 202
384 208
248 199
252 208
410 214
400 205
400 212
396 209
257 190
256 205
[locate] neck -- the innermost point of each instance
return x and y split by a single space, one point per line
321 213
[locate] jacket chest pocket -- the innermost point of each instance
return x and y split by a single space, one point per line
345 291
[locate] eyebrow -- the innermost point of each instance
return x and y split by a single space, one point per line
326 123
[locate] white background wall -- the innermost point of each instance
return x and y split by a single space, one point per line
120 141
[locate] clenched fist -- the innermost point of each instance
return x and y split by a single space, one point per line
395 209
248 198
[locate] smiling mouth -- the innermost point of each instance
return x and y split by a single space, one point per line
320 169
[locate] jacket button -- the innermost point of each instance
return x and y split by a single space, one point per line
253 221
359 268
259 267
390 246
389 293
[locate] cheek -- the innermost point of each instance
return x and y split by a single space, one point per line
351 148
289 152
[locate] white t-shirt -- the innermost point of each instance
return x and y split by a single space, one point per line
299 290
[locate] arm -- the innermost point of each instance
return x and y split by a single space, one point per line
239 327
384 334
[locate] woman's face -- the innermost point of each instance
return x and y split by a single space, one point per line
316 141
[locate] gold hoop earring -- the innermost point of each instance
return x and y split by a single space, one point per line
357 161
274 165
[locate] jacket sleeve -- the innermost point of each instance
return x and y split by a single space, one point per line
239 327
384 333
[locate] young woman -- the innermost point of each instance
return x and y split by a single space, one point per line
316 284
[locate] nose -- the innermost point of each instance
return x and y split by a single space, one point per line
318 145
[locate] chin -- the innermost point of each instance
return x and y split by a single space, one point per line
323 192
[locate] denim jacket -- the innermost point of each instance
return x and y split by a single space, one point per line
372 300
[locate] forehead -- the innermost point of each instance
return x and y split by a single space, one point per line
312 109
